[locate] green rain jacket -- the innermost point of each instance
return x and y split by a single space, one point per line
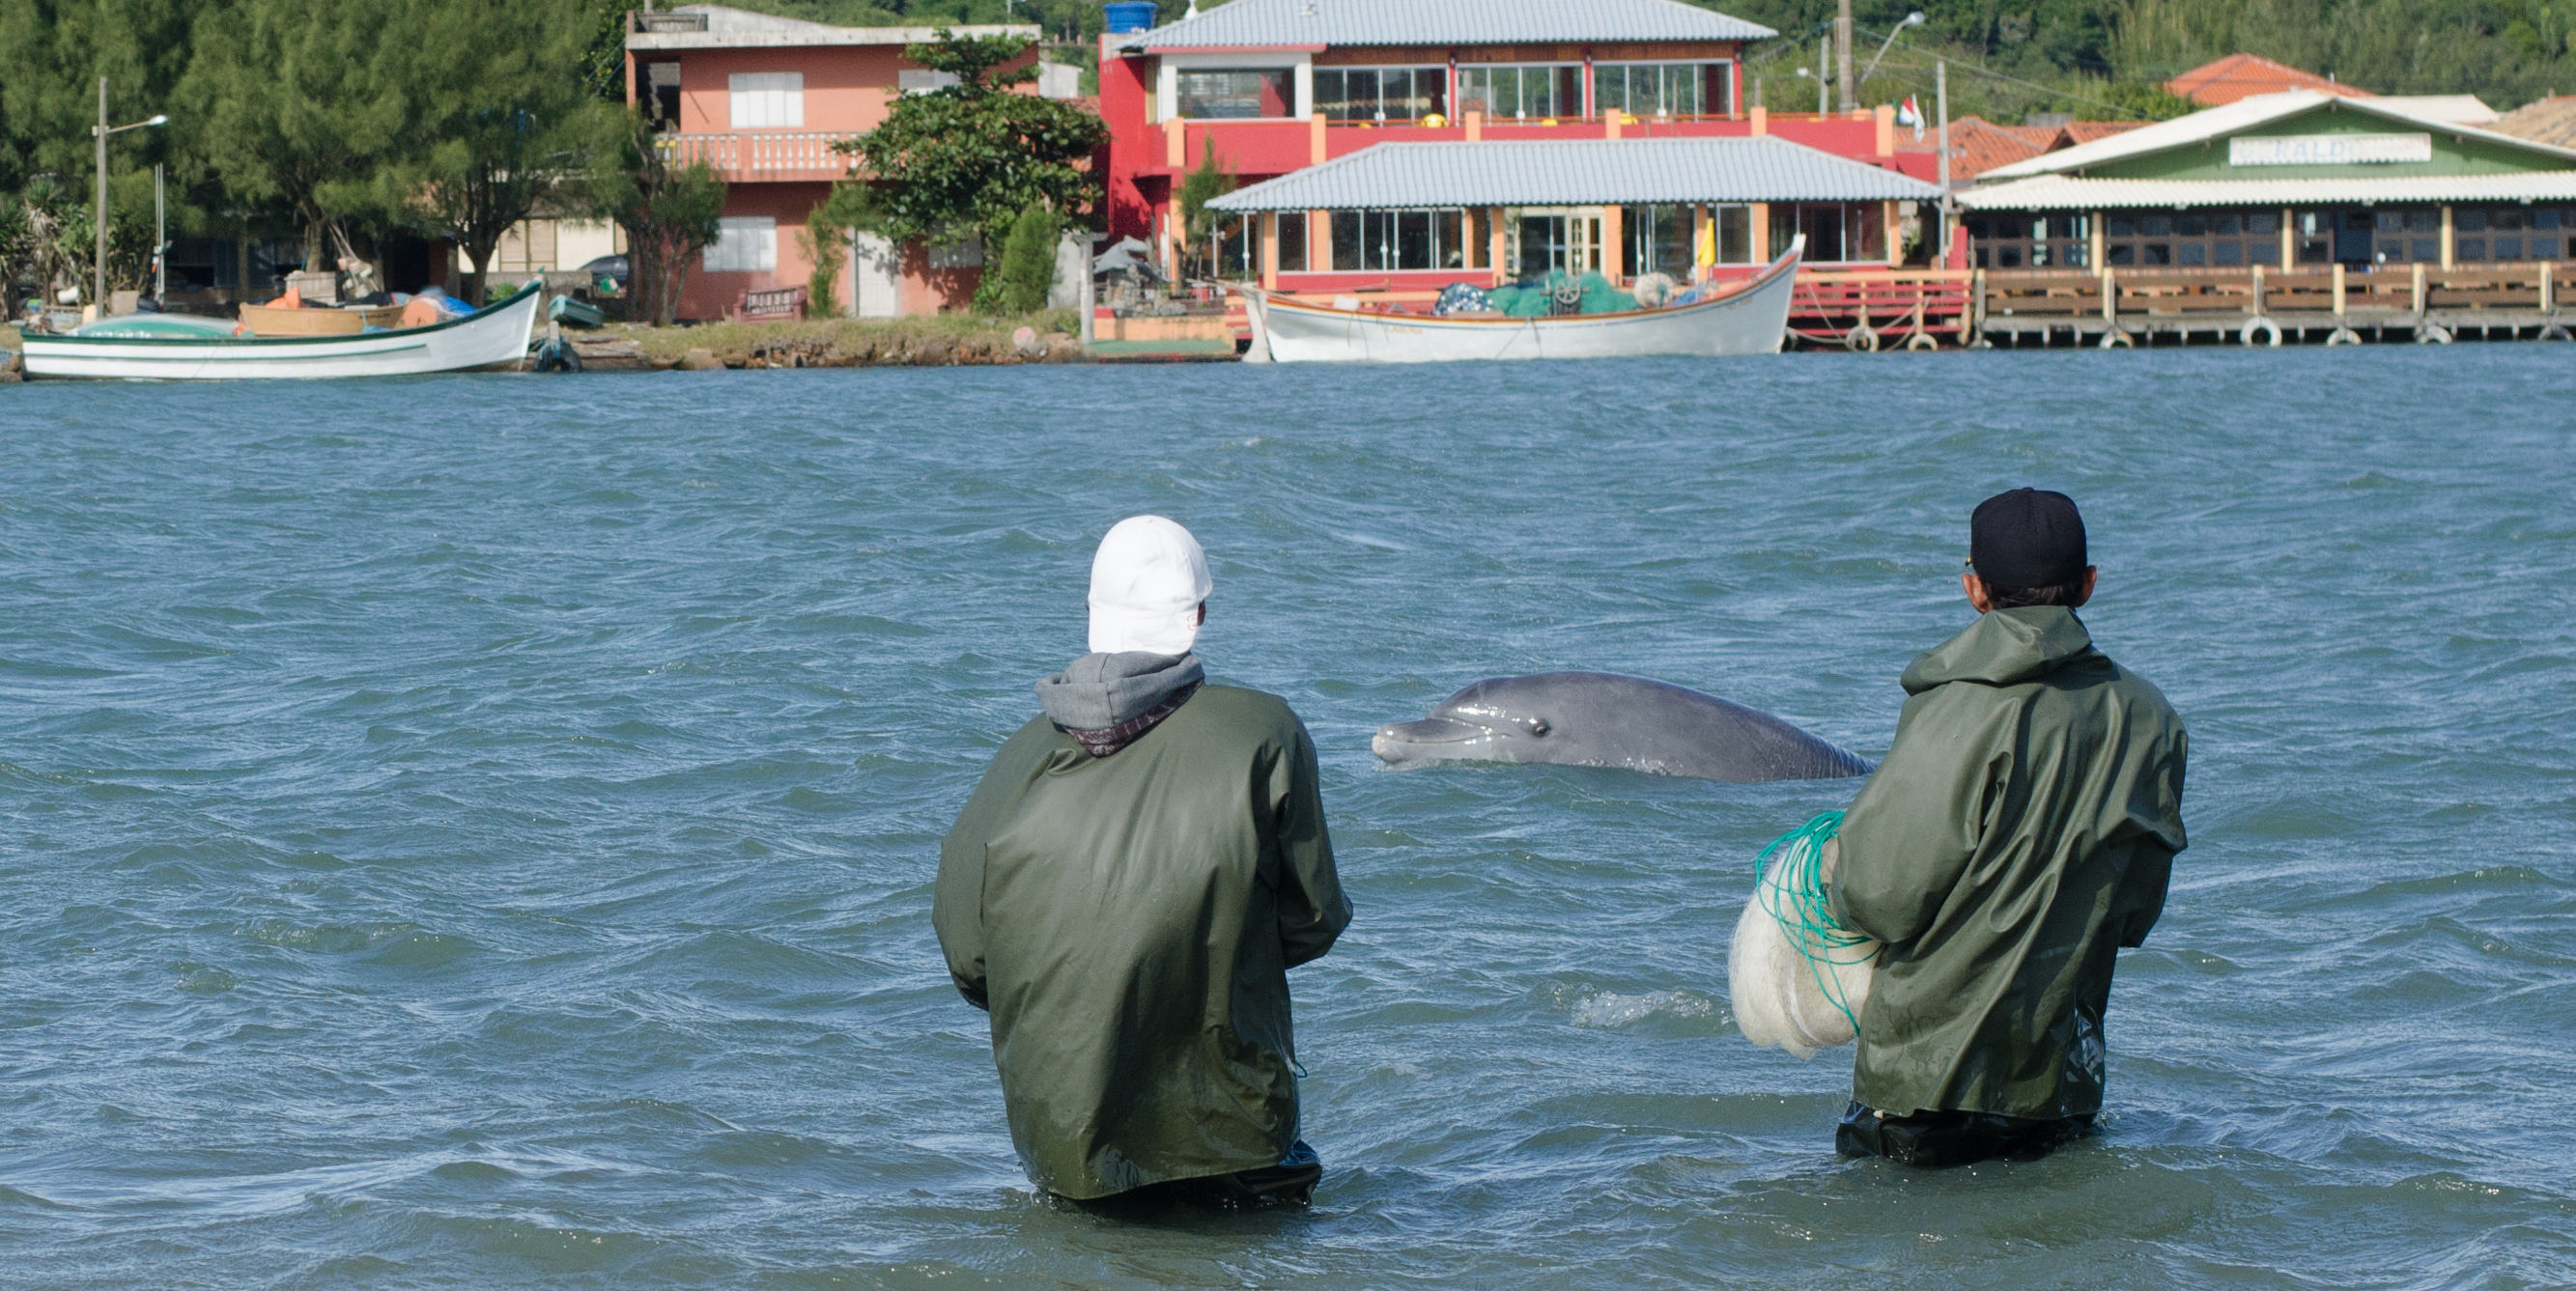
1130 922
2021 831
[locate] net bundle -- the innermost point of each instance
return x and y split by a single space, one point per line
1799 979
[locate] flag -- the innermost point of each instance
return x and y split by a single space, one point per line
1910 115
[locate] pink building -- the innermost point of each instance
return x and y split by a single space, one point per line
763 100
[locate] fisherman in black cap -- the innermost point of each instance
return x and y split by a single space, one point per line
2020 832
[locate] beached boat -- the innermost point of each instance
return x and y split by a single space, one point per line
497 336
1748 316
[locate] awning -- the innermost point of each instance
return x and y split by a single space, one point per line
1580 172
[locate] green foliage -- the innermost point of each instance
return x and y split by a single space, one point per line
1028 262
670 214
968 159
851 208
500 136
1200 187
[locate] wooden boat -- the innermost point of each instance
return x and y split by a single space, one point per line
493 337
272 320
1750 316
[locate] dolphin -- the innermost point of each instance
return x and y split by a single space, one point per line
1601 719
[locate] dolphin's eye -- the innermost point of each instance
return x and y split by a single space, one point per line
1538 727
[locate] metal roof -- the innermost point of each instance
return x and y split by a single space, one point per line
2243 114
1316 24
1580 172
2067 193
729 28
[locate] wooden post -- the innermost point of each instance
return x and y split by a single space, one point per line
2545 301
2448 240
2338 289
1270 250
2419 289
1761 119
1760 233
1176 144
1315 140
1703 242
2110 297
2094 222
2258 291
1497 246
2289 241
1976 307
1614 244
1887 228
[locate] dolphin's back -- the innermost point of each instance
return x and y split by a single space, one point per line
1611 720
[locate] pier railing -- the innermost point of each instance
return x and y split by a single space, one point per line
2428 302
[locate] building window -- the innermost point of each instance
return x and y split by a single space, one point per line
1544 242
1381 93
1847 232
1658 89
744 244
1236 94
1292 242
914 80
1521 93
1399 241
1659 240
767 100
965 253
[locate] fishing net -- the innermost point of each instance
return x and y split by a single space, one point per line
1560 293
1799 979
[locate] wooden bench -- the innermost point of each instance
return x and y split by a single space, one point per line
768 306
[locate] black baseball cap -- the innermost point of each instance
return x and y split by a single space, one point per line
2027 538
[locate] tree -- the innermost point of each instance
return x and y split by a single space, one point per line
851 208
301 102
970 157
502 131
1198 188
1028 263
670 215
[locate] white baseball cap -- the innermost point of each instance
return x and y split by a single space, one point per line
1147 582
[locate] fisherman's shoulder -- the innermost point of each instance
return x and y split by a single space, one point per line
1240 708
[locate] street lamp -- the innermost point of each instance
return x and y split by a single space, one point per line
98 297
1914 19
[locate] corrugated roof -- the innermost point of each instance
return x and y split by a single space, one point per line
2066 193
2244 114
2550 121
1577 172
1299 24
2458 109
729 28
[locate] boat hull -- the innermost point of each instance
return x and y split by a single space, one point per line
1750 320
497 336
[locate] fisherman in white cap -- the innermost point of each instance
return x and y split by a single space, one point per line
1126 892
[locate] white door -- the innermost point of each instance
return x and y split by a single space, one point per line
875 286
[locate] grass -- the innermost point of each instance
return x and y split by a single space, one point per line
849 339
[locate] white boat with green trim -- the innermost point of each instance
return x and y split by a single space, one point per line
496 336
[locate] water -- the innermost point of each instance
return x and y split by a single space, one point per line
479 831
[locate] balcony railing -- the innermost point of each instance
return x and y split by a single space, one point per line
758 156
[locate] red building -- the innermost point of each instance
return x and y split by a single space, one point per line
763 100
1272 87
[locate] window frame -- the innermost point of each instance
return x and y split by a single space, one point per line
777 94
1436 103
722 255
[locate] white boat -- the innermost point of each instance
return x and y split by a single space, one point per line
490 337
1749 316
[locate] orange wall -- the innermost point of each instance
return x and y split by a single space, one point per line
847 87
921 290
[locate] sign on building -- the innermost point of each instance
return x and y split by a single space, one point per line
2328 149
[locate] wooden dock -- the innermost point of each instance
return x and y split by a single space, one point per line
2117 308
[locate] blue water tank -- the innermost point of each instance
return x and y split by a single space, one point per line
1129 15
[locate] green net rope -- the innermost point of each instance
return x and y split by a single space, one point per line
1799 903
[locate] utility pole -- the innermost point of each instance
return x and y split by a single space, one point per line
1843 55
98 294
160 233
1824 59
1941 104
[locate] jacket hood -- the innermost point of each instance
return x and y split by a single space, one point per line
2003 648
1098 691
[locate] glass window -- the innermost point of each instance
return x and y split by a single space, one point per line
1517 93
1659 240
2508 248
2469 219
2192 226
2472 248
1734 233
2155 226
2227 224
2424 249
2544 249
2315 251
2122 226
1649 89
2423 221
1380 93
744 244
2506 218
1224 95
1403 241
2008 257
2262 222
2227 253
2390 222
1346 241
2545 218
2191 253
2125 253
2155 253
1292 241
766 100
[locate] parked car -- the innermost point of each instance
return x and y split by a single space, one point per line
609 269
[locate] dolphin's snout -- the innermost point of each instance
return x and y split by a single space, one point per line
1397 741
